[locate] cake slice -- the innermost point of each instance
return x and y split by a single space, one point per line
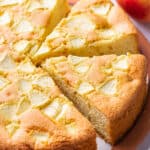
93 27
24 24
34 114
109 90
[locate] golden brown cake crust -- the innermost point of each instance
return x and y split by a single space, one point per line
34 114
84 140
92 28
109 90
25 24
119 107
137 72
116 17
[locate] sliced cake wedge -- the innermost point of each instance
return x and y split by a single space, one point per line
34 114
109 90
24 24
93 27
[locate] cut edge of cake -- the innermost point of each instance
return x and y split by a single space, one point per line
34 113
110 124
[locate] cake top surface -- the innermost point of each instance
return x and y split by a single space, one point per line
24 19
24 24
90 24
33 111
108 82
32 107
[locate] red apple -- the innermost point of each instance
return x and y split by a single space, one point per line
139 9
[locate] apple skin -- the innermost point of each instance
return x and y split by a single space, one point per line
139 9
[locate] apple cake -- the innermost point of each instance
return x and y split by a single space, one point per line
24 24
109 90
34 114
93 27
